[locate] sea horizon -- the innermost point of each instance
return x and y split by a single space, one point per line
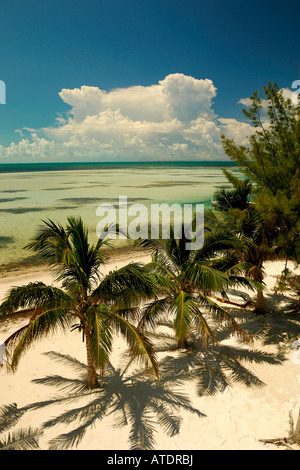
59 166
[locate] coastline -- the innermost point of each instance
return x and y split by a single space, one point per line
26 268
22 275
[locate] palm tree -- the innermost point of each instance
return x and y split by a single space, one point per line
187 279
238 215
100 304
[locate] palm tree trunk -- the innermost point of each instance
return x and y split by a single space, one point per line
183 343
260 306
92 374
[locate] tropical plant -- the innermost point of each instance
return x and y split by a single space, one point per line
289 281
101 304
187 281
237 214
270 161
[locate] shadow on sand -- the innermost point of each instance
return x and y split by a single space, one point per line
278 328
137 401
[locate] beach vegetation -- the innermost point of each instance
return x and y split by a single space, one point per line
188 281
270 161
239 216
101 305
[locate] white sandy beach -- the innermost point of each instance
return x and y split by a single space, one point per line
234 419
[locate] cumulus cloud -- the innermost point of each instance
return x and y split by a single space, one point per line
236 130
173 119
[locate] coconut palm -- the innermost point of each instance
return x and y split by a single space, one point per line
237 197
100 305
187 280
238 215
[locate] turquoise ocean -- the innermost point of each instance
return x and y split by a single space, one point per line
32 192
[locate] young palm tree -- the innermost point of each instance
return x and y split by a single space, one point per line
186 280
99 304
239 215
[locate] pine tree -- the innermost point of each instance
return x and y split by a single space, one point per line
271 162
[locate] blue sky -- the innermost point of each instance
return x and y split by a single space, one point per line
185 64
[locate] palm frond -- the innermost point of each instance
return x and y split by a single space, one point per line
154 311
242 281
128 285
215 243
140 346
42 323
52 243
162 264
68 251
33 295
154 246
100 337
222 316
183 309
203 329
237 197
205 277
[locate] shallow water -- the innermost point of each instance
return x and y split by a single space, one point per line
27 198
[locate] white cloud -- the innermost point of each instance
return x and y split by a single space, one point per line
188 98
236 130
171 119
245 101
286 93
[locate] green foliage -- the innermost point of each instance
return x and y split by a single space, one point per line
236 198
100 304
186 281
238 215
271 162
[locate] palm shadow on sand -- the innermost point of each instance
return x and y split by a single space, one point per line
213 369
278 328
134 399
142 404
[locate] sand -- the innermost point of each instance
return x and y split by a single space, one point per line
235 417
